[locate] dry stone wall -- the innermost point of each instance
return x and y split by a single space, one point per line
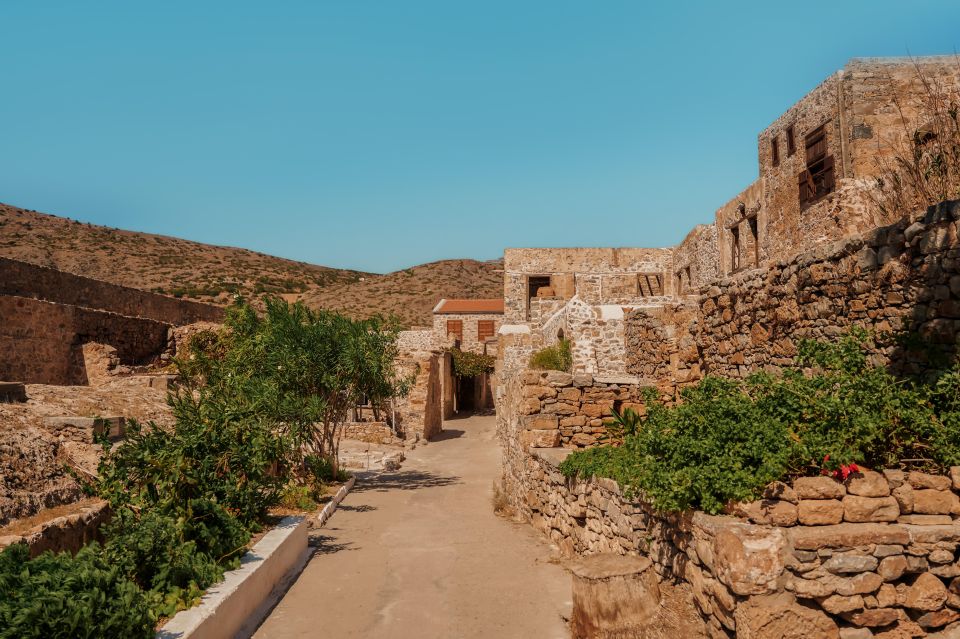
874 556
561 409
902 277
23 279
41 342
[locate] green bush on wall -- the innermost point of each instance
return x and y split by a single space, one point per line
727 439
557 357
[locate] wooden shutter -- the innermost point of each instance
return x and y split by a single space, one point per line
484 330
455 327
803 185
828 178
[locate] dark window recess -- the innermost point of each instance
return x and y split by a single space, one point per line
791 141
455 327
754 239
536 282
678 282
818 179
735 248
484 330
649 284
775 152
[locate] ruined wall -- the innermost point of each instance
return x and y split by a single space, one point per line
29 280
736 214
696 260
877 553
419 413
661 346
598 275
41 342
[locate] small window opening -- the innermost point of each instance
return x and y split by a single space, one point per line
536 282
818 179
455 328
754 239
735 248
791 141
484 330
775 151
649 284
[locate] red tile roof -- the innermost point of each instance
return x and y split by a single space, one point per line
469 307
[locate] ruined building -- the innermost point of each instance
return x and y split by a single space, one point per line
817 164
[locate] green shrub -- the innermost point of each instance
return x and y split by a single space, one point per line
553 358
469 364
65 596
725 440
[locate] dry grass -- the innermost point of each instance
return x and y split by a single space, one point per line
501 505
214 274
923 167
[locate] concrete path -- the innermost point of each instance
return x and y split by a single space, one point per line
420 553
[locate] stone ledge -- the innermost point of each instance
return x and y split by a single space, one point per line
331 506
13 392
236 606
552 456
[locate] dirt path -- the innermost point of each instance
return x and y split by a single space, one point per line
420 553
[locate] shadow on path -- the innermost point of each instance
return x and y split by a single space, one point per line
448 433
327 545
404 480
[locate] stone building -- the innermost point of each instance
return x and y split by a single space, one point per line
469 323
817 166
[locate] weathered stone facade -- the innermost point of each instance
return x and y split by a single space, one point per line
902 277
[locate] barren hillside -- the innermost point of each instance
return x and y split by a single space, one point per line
214 274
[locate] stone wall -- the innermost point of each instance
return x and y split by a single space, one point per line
41 342
23 279
470 324
875 556
419 413
370 432
66 533
561 409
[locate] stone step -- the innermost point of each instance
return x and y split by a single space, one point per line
11 392
85 429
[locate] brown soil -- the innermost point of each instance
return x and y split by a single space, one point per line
213 274
23 526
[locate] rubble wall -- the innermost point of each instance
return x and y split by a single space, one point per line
23 279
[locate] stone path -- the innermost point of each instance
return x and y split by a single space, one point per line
420 553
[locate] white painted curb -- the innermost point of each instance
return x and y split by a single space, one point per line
331 505
236 606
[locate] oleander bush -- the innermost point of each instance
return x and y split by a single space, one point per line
557 357
257 422
727 439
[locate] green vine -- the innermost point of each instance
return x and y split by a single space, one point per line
467 364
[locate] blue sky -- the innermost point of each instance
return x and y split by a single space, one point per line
377 135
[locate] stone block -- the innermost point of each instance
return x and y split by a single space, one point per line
541 422
557 378
870 509
926 593
11 392
926 480
935 502
892 568
85 429
868 483
852 563
820 512
613 595
748 559
768 511
540 438
818 488
782 617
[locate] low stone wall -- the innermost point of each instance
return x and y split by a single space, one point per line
419 413
874 556
41 342
67 533
370 432
23 279
560 409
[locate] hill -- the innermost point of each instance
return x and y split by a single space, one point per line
214 274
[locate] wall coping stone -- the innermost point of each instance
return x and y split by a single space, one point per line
552 456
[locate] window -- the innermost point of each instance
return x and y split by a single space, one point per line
735 248
484 330
775 151
678 282
818 179
455 327
649 284
791 141
536 282
754 238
